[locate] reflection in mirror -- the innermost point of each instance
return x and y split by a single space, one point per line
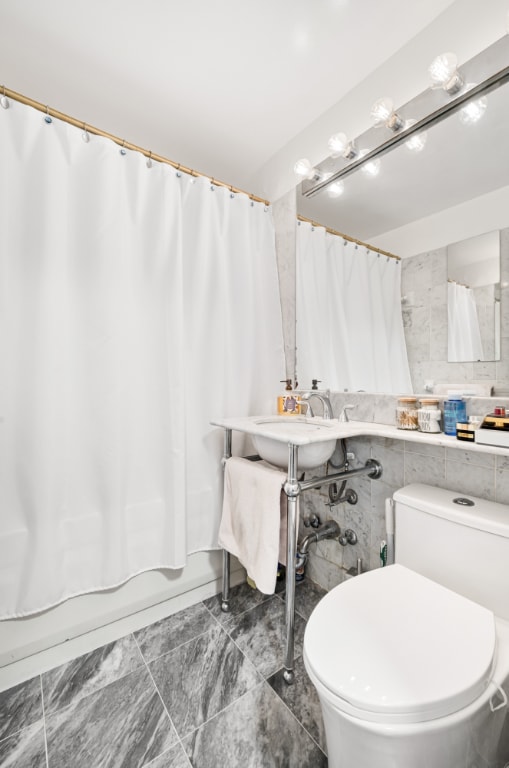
455 188
473 299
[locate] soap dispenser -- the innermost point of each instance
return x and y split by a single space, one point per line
288 403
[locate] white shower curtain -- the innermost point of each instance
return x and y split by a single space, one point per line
463 332
136 304
349 325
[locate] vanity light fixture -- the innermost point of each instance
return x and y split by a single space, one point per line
473 110
340 146
305 170
417 142
444 73
383 113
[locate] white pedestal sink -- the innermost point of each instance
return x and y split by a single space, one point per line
281 431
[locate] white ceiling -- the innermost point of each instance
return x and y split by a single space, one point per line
221 86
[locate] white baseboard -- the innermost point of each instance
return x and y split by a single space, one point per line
34 644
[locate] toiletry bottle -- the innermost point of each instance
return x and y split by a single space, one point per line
288 404
455 410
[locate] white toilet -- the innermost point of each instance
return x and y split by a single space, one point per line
410 661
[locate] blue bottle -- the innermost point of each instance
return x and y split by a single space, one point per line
455 410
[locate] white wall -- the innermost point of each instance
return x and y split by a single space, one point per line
100 617
477 216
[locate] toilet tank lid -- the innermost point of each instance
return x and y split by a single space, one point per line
488 516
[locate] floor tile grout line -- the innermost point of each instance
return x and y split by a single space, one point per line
166 751
85 696
195 637
290 711
242 613
44 722
162 700
225 709
257 672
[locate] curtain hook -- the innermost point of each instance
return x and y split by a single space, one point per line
149 160
4 101
178 174
212 187
47 117
123 150
85 135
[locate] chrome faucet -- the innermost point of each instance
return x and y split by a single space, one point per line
343 416
324 399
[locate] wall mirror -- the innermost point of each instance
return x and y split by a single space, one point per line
462 171
473 299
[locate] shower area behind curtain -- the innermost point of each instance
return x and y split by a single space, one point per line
464 340
137 303
349 325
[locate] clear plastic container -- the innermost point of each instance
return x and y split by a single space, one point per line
455 410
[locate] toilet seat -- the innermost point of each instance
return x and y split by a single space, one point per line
393 646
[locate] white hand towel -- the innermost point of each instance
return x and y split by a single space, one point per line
254 506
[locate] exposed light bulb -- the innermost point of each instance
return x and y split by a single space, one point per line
473 110
417 142
340 146
383 113
443 71
338 142
305 170
336 189
372 167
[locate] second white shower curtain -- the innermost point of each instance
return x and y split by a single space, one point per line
136 305
349 326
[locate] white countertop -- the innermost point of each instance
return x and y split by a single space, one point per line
332 428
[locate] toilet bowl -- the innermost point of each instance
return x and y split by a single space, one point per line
410 673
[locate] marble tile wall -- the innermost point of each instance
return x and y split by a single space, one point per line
424 307
284 212
479 474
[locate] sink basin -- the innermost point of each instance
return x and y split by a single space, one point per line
311 436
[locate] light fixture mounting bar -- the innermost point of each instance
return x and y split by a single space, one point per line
489 69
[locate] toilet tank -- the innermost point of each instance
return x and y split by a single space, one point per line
459 541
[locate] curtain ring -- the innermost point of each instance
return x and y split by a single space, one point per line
47 117
123 150
149 160
85 135
4 101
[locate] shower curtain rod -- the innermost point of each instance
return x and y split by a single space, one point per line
350 239
121 142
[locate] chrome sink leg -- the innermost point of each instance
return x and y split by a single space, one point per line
225 597
292 490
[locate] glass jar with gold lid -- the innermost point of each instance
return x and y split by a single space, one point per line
406 413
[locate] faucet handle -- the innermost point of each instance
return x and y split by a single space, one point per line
343 416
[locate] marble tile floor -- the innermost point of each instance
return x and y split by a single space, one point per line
199 689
